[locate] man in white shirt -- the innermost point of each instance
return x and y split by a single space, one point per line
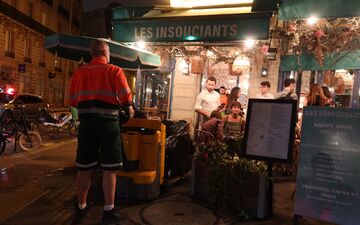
264 91
208 100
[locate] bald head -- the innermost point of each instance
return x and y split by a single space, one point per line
100 48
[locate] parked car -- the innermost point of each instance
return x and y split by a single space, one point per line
31 105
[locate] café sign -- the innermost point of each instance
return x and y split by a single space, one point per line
214 28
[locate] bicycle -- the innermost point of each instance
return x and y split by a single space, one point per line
19 128
64 124
2 143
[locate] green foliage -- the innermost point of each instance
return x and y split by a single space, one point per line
226 170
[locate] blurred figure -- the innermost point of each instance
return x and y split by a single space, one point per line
223 96
233 97
264 91
214 126
315 97
327 94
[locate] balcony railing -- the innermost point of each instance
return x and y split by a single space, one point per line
27 59
63 12
58 69
42 64
49 2
10 54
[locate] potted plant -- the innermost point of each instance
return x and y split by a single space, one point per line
229 184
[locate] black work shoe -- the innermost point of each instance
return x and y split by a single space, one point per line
79 215
113 218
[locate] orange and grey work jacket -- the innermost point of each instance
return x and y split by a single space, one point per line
97 88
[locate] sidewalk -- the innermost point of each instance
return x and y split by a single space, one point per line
40 189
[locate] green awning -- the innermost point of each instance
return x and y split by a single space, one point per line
77 47
303 9
333 61
199 28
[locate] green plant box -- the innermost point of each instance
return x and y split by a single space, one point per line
249 195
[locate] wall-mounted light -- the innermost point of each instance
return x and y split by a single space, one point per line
140 44
249 43
312 20
264 71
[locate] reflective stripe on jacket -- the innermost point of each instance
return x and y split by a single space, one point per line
94 86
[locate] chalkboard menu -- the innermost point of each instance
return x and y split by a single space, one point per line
270 129
328 180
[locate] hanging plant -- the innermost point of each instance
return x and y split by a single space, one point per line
327 36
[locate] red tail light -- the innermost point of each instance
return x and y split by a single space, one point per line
10 91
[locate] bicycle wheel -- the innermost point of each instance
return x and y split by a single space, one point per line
2 145
30 141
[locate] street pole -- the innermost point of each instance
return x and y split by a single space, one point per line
66 88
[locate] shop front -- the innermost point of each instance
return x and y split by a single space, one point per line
193 45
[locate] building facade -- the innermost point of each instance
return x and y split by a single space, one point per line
24 63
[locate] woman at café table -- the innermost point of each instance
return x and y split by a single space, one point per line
234 125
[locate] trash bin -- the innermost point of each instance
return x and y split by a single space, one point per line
179 149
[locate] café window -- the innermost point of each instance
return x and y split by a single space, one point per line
155 93
338 82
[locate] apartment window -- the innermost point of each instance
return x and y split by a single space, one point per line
9 41
13 3
9 44
43 18
42 57
27 49
30 9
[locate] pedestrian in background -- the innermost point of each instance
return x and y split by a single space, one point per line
96 90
